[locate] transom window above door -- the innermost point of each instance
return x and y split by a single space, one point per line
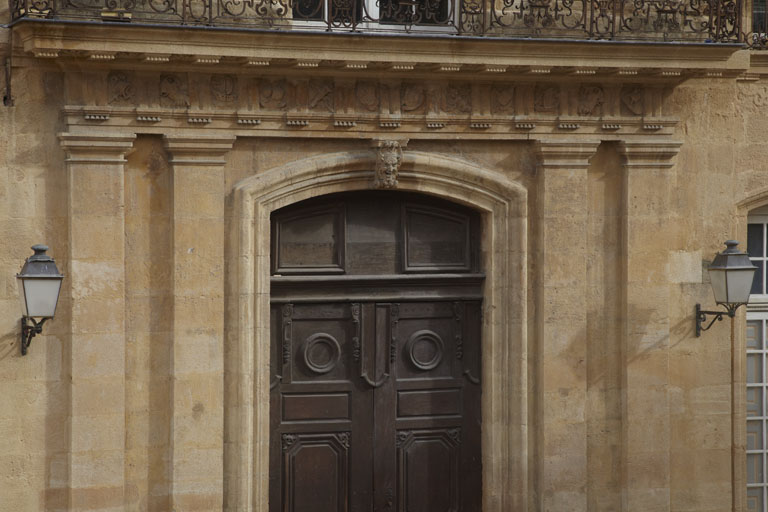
374 233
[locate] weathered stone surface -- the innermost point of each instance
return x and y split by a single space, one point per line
149 391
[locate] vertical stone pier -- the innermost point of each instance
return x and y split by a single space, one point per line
561 266
96 270
197 358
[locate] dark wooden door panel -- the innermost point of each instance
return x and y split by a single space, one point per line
377 408
317 343
423 408
317 406
319 409
438 402
316 472
375 363
471 462
427 342
428 470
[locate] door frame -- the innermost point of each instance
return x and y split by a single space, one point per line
503 205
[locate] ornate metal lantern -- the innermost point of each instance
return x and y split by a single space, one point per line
731 274
39 286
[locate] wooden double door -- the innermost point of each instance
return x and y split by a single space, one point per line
375 406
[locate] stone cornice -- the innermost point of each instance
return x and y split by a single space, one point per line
99 147
206 150
82 120
758 65
564 153
167 48
650 153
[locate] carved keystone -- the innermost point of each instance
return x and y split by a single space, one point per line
389 156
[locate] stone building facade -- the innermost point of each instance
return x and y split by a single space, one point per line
150 150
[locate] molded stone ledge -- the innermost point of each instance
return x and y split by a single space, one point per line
312 124
535 59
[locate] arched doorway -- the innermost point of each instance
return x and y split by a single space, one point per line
375 355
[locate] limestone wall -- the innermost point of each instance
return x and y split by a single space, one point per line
122 403
35 390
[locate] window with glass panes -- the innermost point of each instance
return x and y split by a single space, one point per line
757 353
756 247
387 13
756 414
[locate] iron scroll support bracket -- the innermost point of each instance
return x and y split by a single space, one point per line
7 96
29 331
701 318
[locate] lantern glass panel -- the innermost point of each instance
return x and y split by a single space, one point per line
739 285
40 296
719 285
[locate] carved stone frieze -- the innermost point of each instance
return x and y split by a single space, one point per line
174 91
367 95
457 99
439 108
321 93
389 156
412 97
224 89
546 99
120 88
632 100
345 97
591 100
273 94
502 99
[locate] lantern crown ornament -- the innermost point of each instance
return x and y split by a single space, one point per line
39 285
731 274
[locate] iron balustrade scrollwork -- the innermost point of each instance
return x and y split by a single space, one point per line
655 20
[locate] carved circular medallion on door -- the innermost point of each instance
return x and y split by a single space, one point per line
321 352
425 349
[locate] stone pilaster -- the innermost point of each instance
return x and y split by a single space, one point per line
646 388
197 358
96 271
561 267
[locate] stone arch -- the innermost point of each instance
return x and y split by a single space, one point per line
503 205
755 200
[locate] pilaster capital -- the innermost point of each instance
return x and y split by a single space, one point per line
565 154
208 150
649 154
97 148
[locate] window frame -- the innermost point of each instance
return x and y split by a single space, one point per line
370 19
762 451
757 311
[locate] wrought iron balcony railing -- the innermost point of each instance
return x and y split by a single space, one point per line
650 20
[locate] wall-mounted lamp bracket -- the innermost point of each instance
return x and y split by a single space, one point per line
7 97
701 317
730 275
39 287
29 331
